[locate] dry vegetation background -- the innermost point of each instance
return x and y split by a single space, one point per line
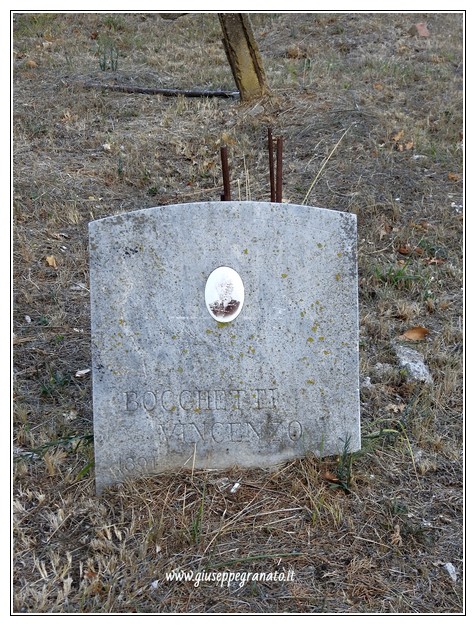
371 532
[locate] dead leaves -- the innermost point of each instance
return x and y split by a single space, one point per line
339 484
406 249
384 229
396 140
330 477
455 178
423 225
51 261
396 136
416 333
400 143
395 408
295 52
396 538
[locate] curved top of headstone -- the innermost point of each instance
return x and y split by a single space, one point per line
257 208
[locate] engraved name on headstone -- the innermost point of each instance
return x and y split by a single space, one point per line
223 333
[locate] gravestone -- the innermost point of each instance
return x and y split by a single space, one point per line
223 334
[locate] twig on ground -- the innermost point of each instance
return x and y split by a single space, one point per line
187 93
324 164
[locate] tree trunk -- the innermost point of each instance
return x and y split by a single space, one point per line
243 55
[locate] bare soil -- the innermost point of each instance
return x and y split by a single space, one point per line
379 531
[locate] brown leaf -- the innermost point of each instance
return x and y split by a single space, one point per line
378 86
434 261
384 229
396 408
52 262
406 249
396 136
31 64
295 52
417 333
331 477
396 538
454 177
424 225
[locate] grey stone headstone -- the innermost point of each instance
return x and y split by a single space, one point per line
223 334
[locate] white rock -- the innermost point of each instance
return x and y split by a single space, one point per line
450 568
412 362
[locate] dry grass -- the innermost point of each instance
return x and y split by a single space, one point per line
378 540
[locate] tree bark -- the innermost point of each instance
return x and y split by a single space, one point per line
243 55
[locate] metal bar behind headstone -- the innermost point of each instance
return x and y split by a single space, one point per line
271 165
226 195
279 169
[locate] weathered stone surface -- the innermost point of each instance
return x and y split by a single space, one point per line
175 384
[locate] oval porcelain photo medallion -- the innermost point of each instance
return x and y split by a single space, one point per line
224 294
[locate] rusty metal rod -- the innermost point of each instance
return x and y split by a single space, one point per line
226 195
279 169
271 165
